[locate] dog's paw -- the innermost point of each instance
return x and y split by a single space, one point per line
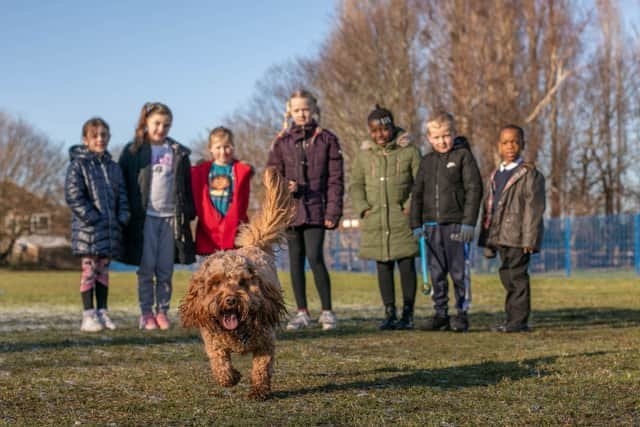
229 379
259 393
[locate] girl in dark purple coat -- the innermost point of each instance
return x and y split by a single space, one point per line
310 158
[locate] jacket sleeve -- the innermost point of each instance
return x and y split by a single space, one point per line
123 199
415 166
357 188
335 182
75 193
534 206
189 208
472 189
484 232
275 157
417 197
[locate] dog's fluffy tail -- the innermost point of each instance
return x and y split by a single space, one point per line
266 228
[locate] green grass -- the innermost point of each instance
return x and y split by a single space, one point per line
581 365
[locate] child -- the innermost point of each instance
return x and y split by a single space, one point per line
381 180
310 158
512 224
221 194
444 205
95 192
157 173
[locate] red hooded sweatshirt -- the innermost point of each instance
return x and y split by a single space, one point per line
216 232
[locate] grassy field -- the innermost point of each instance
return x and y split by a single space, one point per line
581 365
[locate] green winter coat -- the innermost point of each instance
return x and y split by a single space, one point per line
381 181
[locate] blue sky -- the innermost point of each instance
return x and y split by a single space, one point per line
64 61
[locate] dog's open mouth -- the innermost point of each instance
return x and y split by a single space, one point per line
230 320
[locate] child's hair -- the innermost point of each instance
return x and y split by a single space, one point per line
220 133
300 93
439 119
381 115
93 123
148 109
518 130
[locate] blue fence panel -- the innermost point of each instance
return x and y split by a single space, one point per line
570 244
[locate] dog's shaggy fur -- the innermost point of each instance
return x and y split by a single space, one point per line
235 298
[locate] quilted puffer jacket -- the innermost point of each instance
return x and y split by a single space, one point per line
94 190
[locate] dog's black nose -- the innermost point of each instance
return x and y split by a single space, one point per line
230 301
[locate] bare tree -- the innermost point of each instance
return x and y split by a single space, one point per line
370 57
29 158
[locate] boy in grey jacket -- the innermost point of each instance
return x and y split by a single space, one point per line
512 225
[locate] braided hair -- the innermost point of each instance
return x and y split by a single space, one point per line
381 115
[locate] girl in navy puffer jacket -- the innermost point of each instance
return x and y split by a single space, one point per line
94 190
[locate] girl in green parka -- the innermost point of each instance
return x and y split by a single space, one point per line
381 180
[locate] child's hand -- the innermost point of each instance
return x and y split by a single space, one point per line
489 253
329 224
293 186
366 213
465 235
528 250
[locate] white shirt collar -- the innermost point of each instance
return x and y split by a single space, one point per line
508 166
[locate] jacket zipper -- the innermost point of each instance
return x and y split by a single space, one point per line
106 178
437 191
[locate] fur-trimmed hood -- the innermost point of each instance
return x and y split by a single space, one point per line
401 139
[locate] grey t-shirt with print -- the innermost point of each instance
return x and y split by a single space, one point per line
161 203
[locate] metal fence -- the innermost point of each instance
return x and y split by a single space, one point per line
597 243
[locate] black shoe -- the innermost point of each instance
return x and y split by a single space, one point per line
511 328
461 322
406 321
437 323
390 318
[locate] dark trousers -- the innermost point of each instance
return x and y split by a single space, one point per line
308 241
514 275
446 257
407 267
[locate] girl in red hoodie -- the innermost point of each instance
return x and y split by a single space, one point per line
221 194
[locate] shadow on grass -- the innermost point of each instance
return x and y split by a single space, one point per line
547 320
569 318
101 340
454 377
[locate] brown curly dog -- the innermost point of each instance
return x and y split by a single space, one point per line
235 298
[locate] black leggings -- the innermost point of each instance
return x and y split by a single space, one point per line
408 280
308 241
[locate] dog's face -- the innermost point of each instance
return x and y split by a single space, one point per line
232 290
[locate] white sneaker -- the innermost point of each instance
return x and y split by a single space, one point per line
328 320
91 322
300 320
106 321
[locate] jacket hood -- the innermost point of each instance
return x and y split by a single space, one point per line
82 152
461 142
401 139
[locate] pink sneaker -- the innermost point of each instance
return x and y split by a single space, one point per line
148 322
163 321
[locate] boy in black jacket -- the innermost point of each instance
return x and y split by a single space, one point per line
512 224
444 206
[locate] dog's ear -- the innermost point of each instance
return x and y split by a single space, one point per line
196 304
273 309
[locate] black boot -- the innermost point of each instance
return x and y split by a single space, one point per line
390 318
461 322
406 321
439 322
